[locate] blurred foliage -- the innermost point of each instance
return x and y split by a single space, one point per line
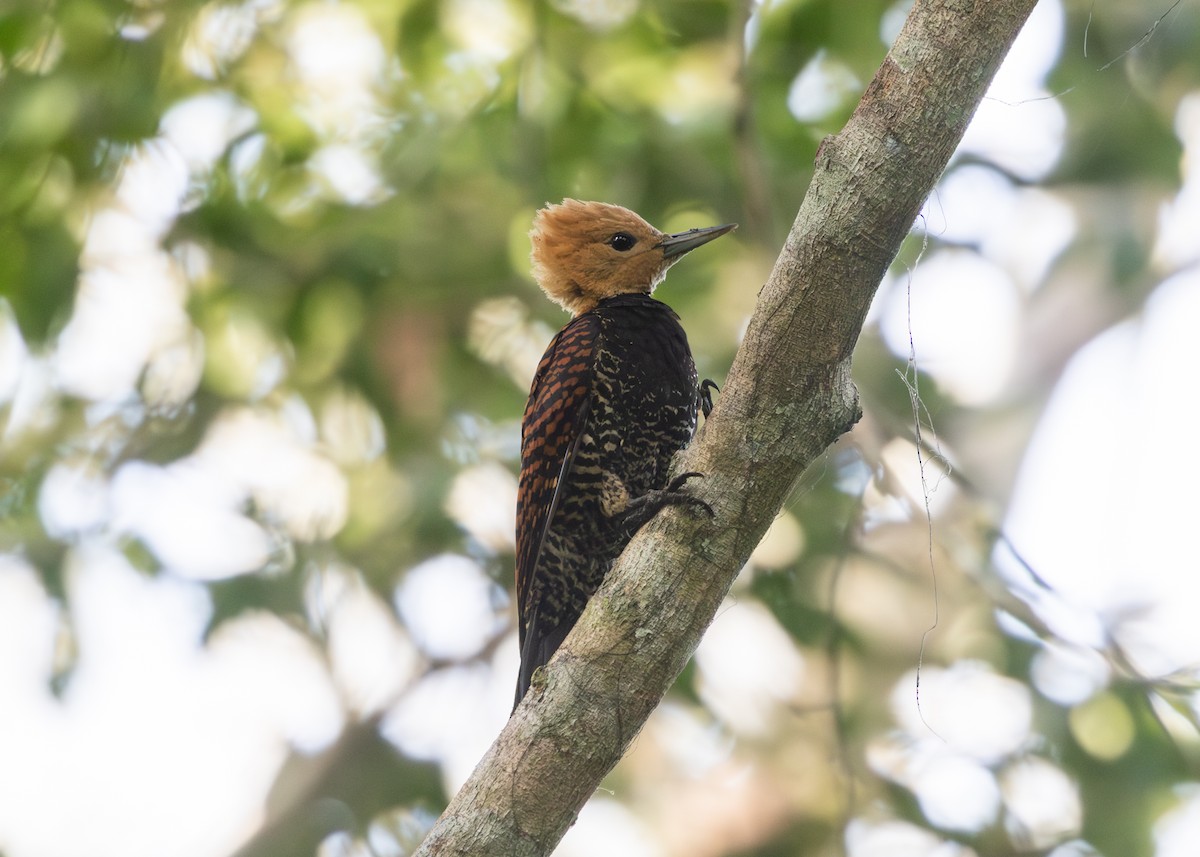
355 181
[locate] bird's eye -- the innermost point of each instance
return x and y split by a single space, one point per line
621 242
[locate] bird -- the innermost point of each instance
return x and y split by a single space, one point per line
615 396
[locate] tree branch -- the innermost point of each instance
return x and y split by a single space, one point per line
788 396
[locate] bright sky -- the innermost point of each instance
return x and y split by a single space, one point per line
162 745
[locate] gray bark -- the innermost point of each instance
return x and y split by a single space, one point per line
788 396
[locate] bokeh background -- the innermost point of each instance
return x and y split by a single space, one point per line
266 331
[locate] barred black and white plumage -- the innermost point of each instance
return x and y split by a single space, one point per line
614 398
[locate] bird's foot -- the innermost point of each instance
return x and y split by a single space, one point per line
706 397
642 509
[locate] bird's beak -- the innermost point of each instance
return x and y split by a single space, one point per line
681 242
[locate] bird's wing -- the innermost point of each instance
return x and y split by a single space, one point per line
550 435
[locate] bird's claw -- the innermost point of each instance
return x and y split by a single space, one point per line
679 482
675 488
706 398
646 506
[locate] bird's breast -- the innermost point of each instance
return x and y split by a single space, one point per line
644 397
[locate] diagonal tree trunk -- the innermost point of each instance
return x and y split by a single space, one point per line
788 396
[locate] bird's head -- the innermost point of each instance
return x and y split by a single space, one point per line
584 252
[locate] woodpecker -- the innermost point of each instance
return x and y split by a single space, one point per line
615 396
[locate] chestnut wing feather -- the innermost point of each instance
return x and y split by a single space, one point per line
551 431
